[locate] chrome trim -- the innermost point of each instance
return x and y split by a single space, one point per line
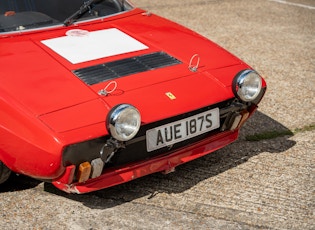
238 83
113 116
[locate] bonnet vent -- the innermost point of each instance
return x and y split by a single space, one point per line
116 69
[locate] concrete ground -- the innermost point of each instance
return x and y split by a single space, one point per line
264 184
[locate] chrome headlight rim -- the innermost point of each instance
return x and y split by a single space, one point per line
243 91
115 122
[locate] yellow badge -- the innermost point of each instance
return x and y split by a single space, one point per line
170 95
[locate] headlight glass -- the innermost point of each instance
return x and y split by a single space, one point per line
124 122
247 85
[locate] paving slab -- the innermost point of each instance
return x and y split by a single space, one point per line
264 184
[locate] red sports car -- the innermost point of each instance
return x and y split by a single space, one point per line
97 93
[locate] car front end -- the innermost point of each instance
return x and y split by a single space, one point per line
112 97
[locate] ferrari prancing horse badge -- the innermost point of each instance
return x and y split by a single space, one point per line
170 95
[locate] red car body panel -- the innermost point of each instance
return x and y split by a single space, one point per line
44 107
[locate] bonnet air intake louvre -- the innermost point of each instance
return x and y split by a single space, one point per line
116 69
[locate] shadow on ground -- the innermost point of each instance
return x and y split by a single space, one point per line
18 183
185 177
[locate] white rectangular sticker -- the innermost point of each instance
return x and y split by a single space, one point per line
172 133
89 46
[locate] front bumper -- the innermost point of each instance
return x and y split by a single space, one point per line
115 176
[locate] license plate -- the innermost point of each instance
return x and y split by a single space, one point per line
172 133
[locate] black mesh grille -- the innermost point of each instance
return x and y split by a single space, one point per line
111 70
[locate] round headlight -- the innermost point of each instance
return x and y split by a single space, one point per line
247 85
124 122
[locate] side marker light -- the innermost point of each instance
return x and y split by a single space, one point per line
84 172
236 121
97 167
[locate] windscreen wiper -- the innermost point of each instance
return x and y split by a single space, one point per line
86 6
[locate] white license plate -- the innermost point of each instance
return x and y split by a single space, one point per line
172 133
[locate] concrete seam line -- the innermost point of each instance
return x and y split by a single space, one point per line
294 4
